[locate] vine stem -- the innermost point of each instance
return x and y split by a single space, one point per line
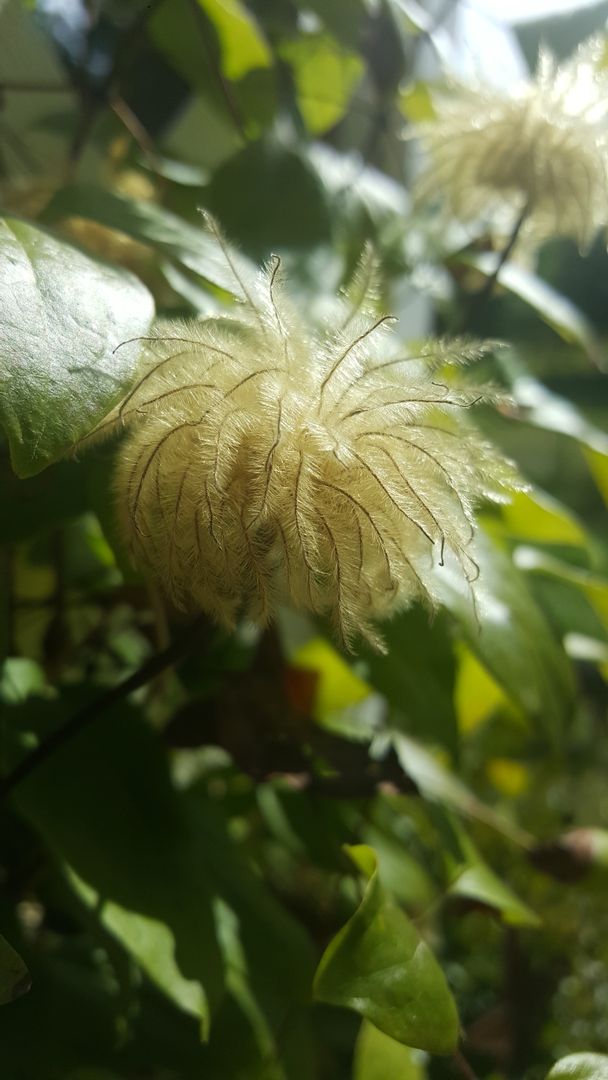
180 647
463 1066
480 298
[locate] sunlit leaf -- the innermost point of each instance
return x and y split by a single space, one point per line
325 75
378 966
598 464
62 315
152 944
533 515
20 678
378 1057
242 44
581 1067
130 843
477 693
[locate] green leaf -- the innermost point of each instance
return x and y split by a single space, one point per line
378 1057
105 806
151 943
507 630
417 675
534 515
598 465
192 245
378 966
471 877
580 1067
437 783
62 314
544 409
594 587
243 47
271 198
14 976
325 75
21 678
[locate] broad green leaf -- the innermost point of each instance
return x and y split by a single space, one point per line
151 943
14 976
20 678
533 515
416 102
598 464
473 878
416 675
378 1057
544 409
62 316
477 694
337 685
378 966
325 75
242 44
129 840
581 1067
594 587
193 246
437 783
508 632
560 313
271 197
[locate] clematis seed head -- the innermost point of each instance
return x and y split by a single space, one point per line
543 147
267 462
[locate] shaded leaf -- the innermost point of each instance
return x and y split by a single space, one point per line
14 976
62 314
473 878
130 841
192 245
504 626
378 966
559 312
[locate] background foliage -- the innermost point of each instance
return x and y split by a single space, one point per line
274 861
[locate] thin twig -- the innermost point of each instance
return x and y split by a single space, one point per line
182 645
224 87
463 1066
481 297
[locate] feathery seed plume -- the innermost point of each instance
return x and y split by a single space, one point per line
542 149
265 462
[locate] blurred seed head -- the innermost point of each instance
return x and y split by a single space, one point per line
267 462
543 147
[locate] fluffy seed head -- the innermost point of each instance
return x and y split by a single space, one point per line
543 147
267 463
